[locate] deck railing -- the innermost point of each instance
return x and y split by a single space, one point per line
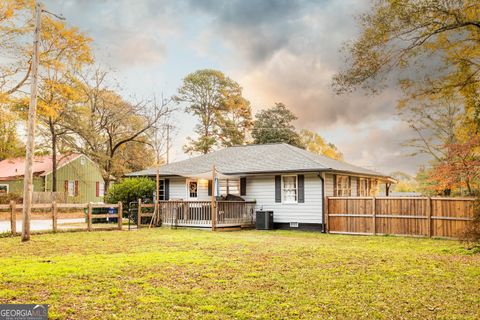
199 213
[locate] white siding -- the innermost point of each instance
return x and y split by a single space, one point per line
262 190
178 189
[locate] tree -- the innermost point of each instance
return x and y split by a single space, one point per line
313 142
130 190
106 123
429 47
217 102
274 125
10 145
436 124
461 168
65 51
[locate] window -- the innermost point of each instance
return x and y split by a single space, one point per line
192 190
3 188
101 189
363 187
289 189
229 186
343 186
71 188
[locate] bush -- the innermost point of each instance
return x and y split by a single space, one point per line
130 190
5 198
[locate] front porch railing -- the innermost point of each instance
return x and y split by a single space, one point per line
199 213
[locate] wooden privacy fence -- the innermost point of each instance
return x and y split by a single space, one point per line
412 216
54 209
199 213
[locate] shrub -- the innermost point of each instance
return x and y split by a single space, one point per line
130 190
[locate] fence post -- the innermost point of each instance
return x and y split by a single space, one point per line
327 216
120 215
89 217
54 216
139 213
429 216
13 218
374 216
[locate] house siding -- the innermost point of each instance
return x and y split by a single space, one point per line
262 190
87 175
16 186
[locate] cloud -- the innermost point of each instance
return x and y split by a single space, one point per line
380 148
125 33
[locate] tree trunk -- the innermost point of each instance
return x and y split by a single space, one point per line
54 155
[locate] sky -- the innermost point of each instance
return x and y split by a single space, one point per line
277 50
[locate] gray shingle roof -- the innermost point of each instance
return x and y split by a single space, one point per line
251 159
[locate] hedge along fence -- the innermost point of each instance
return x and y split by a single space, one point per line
54 209
411 216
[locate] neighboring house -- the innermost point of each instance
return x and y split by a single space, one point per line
77 176
290 181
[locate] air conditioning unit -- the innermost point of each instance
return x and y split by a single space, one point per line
264 220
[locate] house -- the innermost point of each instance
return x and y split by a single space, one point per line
77 176
290 181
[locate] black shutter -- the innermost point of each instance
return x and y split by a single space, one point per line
166 189
278 189
243 186
335 192
209 187
301 188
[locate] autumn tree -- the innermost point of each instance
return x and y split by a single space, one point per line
10 144
275 125
430 50
66 51
461 169
216 100
105 125
313 142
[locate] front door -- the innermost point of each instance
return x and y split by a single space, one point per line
192 190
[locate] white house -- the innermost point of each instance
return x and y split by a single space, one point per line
290 181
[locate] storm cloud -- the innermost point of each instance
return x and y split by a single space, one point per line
278 50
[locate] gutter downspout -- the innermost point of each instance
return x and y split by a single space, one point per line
321 176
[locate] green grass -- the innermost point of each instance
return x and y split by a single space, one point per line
191 274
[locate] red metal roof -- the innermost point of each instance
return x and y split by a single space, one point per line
42 165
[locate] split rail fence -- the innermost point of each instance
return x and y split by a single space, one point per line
42 213
408 216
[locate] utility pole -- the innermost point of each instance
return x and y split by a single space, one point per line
168 143
32 110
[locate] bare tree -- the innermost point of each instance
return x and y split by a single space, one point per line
106 123
435 124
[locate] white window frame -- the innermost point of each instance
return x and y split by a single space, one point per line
5 185
101 189
283 188
188 189
72 184
341 191
363 187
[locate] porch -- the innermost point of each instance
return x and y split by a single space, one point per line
198 214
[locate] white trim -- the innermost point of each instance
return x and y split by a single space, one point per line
296 188
187 188
5 185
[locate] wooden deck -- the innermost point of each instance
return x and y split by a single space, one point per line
198 214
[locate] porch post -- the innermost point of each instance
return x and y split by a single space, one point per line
214 223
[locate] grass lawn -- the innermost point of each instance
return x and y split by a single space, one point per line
190 274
